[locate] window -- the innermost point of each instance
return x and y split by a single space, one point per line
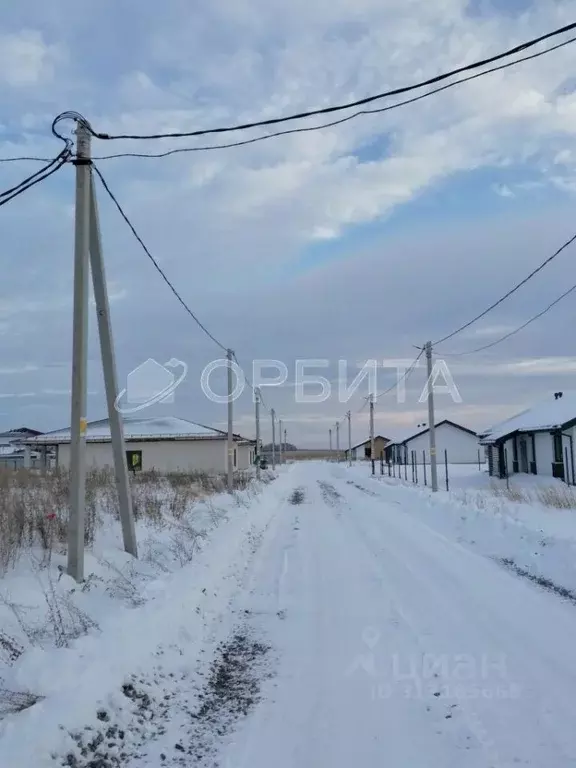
134 460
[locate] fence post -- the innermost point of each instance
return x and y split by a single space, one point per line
406 464
416 466
446 467
566 473
381 462
506 468
424 464
479 467
389 469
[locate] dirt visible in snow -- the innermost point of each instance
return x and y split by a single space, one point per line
231 690
367 491
297 496
542 581
329 494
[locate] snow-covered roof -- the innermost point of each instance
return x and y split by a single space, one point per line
404 437
548 414
138 428
365 442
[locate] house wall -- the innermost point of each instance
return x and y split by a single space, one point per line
544 453
162 455
244 457
462 447
360 451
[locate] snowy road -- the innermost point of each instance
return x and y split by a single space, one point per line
396 646
325 623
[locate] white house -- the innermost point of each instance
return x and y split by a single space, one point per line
458 443
164 443
539 440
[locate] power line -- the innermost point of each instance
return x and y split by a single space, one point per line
406 375
359 113
155 263
337 108
33 176
516 330
36 178
333 123
24 159
509 293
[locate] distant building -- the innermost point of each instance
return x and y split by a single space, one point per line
166 444
460 444
363 450
539 440
12 452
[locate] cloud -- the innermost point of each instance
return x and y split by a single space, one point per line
355 241
26 59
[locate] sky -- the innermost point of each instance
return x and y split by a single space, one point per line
356 242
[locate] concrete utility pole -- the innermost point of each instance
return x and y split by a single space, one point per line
280 457
258 441
372 444
273 415
285 446
349 416
330 436
431 422
338 442
230 446
79 356
110 377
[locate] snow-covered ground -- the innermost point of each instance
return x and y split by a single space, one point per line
333 619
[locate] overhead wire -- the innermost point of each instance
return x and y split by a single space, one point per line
406 375
307 129
36 178
154 261
348 105
516 330
509 293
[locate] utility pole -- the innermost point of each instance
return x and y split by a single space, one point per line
280 457
330 435
110 377
338 442
230 442
349 415
79 356
372 444
285 446
257 414
431 422
273 414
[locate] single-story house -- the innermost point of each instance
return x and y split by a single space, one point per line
12 452
363 450
459 443
538 440
163 443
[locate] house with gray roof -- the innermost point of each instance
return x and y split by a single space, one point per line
163 443
538 440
